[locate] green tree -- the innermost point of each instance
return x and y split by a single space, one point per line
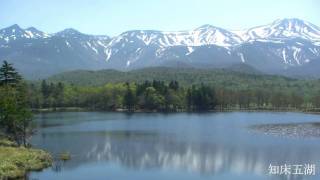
57 94
8 74
316 100
172 100
129 98
174 85
15 115
45 90
152 99
189 99
295 100
201 98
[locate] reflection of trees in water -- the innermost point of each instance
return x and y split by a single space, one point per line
139 150
57 166
201 158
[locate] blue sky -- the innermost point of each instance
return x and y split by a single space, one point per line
112 17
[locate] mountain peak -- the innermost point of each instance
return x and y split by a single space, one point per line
15 32
206 26
289 20
33 29
69 32
12 29
32 32
12 32
284 29
289 23
14 26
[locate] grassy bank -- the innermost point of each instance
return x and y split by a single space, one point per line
15 161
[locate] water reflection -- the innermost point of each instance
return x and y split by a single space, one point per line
144 150
295 130
206 145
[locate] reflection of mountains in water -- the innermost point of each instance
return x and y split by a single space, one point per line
142 150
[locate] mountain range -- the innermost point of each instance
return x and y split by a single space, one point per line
288 47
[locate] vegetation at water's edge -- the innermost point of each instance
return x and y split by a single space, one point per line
15 113
16 156
160 89
64 156
16 161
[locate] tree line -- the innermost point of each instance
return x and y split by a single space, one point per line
166 96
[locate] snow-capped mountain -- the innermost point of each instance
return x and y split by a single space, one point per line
291 42
282 29
277 47
38 54
14 32
136 43
204 35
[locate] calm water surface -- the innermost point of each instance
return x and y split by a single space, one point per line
171 146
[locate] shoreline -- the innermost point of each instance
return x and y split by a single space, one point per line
16 161
80 109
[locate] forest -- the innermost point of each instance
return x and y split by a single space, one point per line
164 89
172 96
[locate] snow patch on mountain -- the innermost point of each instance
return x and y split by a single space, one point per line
68 44
190 50
128 63
284 56
242 57
296 54
108 54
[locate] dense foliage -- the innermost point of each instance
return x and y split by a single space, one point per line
236 91
15 115
172 89
223 78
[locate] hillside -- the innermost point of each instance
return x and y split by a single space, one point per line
189 76
183 75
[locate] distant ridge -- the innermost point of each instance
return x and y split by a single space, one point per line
186 76
283 47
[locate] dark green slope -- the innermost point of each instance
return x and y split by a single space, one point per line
184 75
188 76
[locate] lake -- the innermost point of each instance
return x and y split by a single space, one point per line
172 146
